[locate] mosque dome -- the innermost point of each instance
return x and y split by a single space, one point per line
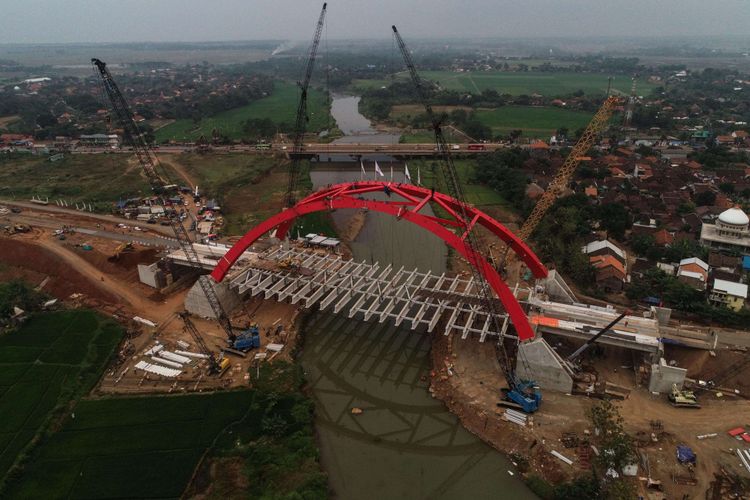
734 217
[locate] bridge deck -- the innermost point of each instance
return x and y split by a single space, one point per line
411 297
404 296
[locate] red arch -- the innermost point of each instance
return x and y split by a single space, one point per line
349 195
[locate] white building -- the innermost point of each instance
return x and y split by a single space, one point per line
730 232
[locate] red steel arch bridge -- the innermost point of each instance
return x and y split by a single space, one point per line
406 202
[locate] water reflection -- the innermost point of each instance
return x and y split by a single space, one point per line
404 444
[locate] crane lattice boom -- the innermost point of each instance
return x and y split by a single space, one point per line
455 190
159 184
597 124
300 123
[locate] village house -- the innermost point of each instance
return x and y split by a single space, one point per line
693 272
728 294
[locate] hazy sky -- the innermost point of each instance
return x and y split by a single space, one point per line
42 21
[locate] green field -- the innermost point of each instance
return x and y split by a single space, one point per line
249 188
476 194
144 447
280 107
99 179
418 137
534 121
544 83
54 357
547 84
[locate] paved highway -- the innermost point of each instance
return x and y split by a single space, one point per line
426 149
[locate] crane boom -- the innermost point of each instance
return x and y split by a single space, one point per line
593 339
190 327
597 124
453 183
630 105
300 123
159 185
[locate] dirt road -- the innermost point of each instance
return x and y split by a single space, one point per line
175 165
82 217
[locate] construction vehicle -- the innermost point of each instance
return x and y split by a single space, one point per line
17 228
290 264
248 339
300 123
522 393
160 185
563 176
124 247
216 366
683 398
571 359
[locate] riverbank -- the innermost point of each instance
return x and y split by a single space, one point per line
457 366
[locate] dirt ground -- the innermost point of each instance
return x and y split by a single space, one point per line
89 278
465 375
472 393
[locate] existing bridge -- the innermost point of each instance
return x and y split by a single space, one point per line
404 150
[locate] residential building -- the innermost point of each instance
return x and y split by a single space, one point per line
610 273
100 140
609 262
730 232
605 247
728 294
693 272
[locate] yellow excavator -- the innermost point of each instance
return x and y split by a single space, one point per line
124 247
683 398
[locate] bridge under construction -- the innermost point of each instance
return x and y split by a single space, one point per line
430 303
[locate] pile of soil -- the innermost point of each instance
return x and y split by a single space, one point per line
701 365
124 268
34 263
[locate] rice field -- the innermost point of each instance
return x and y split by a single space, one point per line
53 358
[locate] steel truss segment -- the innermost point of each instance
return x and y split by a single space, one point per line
423 308
355 288
398 295
409 302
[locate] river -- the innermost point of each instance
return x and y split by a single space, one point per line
405 444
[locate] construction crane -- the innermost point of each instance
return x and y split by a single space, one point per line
160 185
590 342
300 123
215 366
521 393
563 176
587 139
630 105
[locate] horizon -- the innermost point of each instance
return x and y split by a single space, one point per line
191 21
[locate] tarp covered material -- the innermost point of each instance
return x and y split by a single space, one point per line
685 455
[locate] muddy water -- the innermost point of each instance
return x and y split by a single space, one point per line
384 238
405 444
